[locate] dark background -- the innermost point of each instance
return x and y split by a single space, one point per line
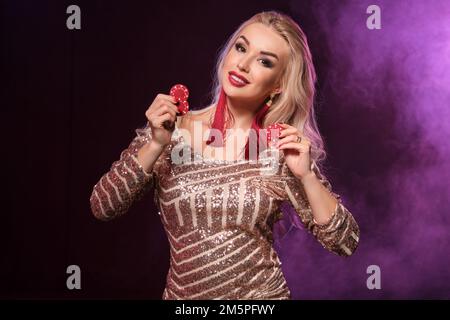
73 98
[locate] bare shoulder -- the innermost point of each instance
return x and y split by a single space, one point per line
192 116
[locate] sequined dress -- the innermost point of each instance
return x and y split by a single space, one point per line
218 217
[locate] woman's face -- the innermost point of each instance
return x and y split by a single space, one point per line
260 56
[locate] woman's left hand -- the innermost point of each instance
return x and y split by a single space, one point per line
296 153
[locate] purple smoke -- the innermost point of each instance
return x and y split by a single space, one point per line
387 97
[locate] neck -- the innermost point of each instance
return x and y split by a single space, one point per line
243 113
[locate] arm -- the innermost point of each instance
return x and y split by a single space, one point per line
323 213
128 178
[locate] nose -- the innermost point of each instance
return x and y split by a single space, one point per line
243 65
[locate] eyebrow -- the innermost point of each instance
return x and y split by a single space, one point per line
267 53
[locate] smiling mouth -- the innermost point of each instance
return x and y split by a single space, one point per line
236 81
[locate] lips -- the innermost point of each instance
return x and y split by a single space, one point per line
237 80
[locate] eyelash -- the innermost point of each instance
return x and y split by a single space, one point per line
266 63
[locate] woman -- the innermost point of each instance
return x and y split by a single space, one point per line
218 211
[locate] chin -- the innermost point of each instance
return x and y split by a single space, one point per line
234 93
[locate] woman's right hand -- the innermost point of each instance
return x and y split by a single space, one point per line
162 109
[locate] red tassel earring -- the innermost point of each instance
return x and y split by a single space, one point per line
219 120
256 126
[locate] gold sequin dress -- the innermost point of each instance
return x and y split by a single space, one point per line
218 217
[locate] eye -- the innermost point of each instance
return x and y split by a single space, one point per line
266 63
239 47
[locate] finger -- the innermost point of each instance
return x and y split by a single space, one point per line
303 140
285 125
165 109
288 131
288 127
162 99
166 97
168 103
292 145
159 121
290 138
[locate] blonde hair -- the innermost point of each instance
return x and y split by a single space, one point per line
295 104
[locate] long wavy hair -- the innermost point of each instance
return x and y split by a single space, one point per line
295 104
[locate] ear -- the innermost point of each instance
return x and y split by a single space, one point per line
277 90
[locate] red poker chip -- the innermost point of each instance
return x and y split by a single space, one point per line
179 92
183 107
273 127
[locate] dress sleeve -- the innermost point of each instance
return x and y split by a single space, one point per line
124 183
340 234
